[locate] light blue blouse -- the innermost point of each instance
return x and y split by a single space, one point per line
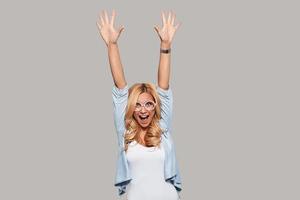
171 170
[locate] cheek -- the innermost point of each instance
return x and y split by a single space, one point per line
152 114
135 115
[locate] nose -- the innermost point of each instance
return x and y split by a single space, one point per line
143 110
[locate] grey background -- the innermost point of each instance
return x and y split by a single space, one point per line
235 80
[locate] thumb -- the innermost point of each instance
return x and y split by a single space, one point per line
157 29
178 25
121 29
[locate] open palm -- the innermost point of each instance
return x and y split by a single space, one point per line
106 28
167 32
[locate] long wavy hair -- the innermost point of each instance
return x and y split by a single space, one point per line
153 135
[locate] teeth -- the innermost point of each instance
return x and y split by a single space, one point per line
144 117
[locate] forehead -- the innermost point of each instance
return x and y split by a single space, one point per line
145 97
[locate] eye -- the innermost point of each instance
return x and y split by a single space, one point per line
137 105
149 104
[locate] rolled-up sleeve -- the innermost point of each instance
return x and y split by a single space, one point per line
120 97
166 98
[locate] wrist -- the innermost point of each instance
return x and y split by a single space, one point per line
165 51
109 44
165 45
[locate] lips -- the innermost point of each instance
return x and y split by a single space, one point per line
143 117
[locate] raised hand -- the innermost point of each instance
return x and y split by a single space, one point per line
106 28
167 32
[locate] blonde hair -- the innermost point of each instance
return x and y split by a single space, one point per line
132 128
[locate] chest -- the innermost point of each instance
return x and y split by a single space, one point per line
149 156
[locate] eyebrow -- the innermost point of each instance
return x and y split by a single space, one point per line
145 101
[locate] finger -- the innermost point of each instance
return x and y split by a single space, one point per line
173 19
177 26
156 29
99 26
163 17
169 18
121 29
106 17
113 17
101 19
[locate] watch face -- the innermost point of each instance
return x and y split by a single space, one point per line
165 50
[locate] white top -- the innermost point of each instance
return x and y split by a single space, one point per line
146 165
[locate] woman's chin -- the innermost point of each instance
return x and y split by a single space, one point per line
144 125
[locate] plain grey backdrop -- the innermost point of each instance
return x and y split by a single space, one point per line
235 80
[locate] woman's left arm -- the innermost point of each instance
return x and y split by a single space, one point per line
166 34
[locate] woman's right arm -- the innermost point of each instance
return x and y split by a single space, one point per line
116 65
110 36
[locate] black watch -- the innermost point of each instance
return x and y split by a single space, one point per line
165 50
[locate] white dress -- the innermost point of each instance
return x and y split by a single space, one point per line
146 165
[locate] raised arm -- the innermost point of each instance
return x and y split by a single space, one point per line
110 36
166 34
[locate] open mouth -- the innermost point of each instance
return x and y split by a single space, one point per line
144 118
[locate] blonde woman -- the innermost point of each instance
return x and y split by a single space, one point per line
147 168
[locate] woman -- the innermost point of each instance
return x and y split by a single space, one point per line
146 164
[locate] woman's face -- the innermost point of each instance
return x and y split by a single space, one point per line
145 110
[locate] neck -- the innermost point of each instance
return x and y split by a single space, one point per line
144 129
142 134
